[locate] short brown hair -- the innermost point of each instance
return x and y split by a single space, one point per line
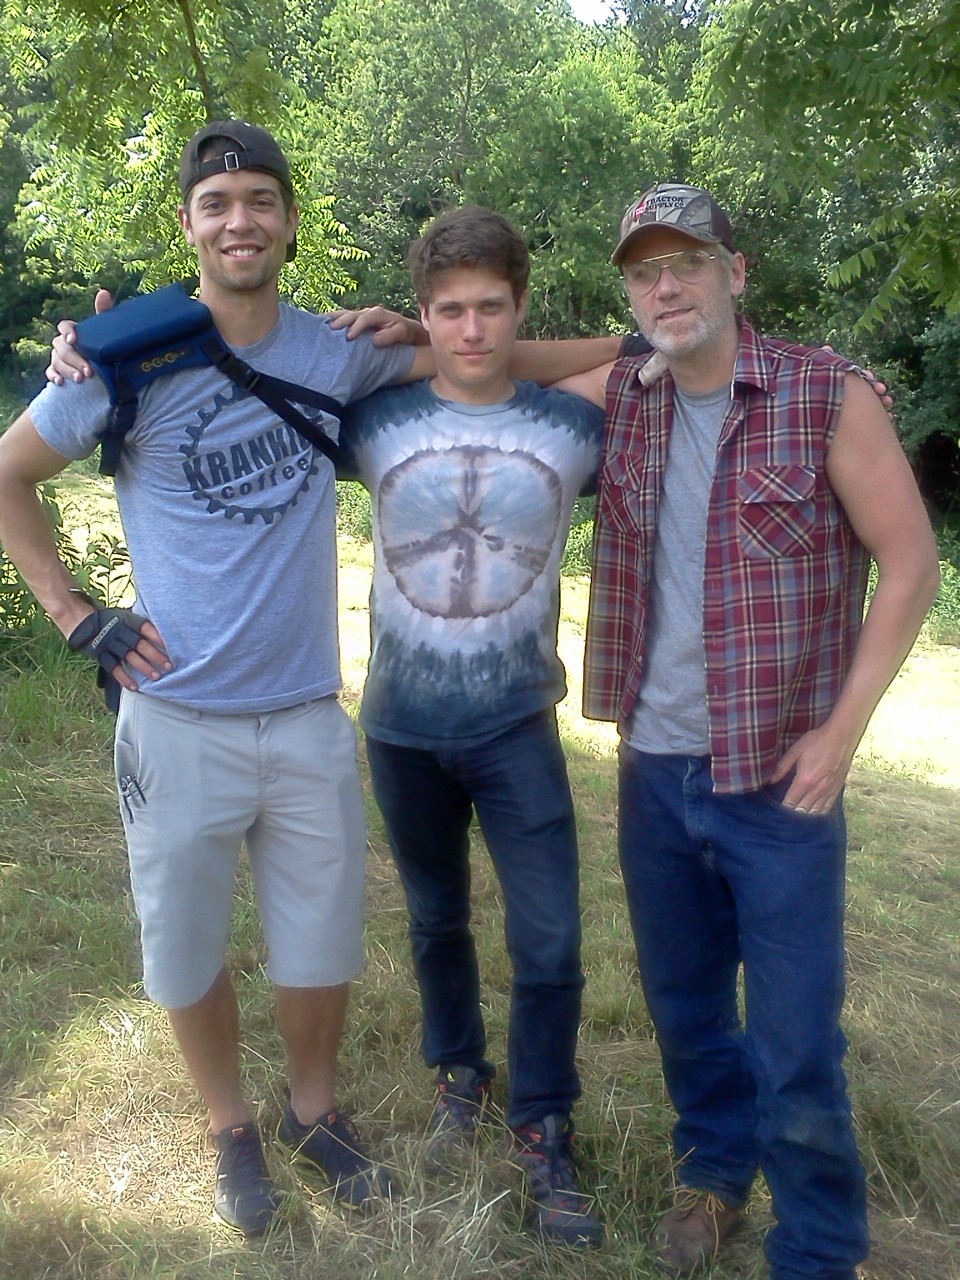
469 237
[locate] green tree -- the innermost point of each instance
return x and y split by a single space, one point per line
500 103
861 91
603 132
116 87
930 420
412 94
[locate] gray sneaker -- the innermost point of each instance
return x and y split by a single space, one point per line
244 1197
559 1212
463 1095
332 1145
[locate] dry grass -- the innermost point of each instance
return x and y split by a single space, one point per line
104 1169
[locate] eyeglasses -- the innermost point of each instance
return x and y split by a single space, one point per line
689 266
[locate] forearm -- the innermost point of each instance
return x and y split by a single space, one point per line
29 543
896 613
548 362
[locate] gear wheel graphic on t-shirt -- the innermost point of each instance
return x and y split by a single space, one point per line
466 532
259 477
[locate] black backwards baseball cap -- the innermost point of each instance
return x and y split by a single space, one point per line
671 204
253 148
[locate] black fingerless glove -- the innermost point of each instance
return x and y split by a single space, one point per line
107 636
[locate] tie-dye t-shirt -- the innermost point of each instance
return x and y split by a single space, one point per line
471 508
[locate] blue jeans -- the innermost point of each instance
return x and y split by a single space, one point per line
517 783
715 882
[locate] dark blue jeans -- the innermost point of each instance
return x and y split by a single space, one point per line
715 882
517 783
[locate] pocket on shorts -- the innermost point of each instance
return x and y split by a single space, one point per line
126 759
777 511
126 754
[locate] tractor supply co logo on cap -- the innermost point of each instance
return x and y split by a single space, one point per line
659 201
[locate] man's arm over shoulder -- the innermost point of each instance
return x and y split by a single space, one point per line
547 362
591 385
544 362
871 477
26 461
386 329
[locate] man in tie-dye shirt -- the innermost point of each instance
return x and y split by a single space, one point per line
473 479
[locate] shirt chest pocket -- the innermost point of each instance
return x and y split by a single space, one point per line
777 511
625 504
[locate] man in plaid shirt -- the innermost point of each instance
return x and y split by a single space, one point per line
741 497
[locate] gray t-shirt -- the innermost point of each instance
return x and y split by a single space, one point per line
230 517
670 716
471 508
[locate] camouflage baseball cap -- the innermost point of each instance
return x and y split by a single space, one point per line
671 204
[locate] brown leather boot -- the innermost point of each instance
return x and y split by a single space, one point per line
689 1236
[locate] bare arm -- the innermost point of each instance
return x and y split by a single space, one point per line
389 327
543 362
26 461
547 362
873 481
591 385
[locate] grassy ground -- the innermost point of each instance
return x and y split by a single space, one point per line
104 1170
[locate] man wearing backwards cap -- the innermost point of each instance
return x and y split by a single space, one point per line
229 727
741 497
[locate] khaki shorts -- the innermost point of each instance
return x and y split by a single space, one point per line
194 788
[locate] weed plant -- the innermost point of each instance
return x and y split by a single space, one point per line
354 519
944 623
12 397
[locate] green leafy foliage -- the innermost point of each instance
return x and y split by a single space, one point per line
872 95
939 410
944 622
114 89
502 103
101 567
829 132
354 518
578 552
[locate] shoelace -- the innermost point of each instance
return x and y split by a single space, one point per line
688 1200
464 1110
245 1156
561 1168
563 1174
